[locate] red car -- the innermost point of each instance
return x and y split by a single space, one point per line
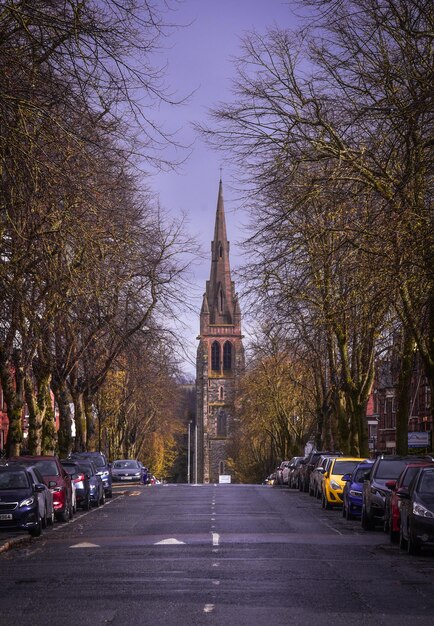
392 515
56 479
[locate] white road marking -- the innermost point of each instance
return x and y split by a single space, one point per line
85 544
215 539
208 608
169 542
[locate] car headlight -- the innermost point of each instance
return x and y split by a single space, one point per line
137 474
334 484
103 473
420 510
353 492
92 487
27 501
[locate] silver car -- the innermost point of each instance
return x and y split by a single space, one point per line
126 470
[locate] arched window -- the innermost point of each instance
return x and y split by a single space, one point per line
215 356
221 301
227 356
221 424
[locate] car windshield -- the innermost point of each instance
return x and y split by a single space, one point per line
47 468
427 483
86 468
409 475
343 467
13 480
98 460
125 465
360 473
390 470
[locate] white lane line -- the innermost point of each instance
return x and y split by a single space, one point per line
208 608
215 539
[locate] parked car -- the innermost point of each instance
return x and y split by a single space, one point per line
289 469
353 490
45 497
317 474
102 468
385 468
280 470
56 479
294 480
417 512
19 503
308 466
333 483
96 487
392 505
126 470
80 482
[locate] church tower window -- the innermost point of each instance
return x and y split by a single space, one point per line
221 424
227 356
215 356
220 250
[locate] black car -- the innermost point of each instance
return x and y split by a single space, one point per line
385 468
308 465
417 512
80 481
102 468
19 505
96 487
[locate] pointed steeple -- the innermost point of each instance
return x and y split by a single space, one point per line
219 288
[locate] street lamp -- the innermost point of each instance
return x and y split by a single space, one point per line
188 453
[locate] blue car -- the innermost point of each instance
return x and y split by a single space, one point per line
353 490
19 504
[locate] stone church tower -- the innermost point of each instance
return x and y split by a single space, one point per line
220 358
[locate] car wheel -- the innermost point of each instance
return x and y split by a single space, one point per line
413 546
36 532
64 516
50 519
393 535
109 494
366 522
102 501
402 540
86 503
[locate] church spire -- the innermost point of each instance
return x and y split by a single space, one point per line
219 288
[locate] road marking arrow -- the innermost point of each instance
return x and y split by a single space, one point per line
171 541
85 545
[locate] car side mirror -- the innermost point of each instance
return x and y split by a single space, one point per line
391 484
403 493
39 487
347 477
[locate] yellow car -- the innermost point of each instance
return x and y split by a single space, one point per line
333 485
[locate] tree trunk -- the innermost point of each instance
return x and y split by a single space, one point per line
13 393
63 400
403 390
35 417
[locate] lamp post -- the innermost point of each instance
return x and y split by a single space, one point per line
188 453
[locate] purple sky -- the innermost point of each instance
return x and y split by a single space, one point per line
199 60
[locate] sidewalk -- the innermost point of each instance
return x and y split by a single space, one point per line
8 542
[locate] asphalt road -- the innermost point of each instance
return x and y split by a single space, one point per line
215 555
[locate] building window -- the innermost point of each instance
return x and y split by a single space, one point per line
215 356
221 393
227 356
221 424
220 250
